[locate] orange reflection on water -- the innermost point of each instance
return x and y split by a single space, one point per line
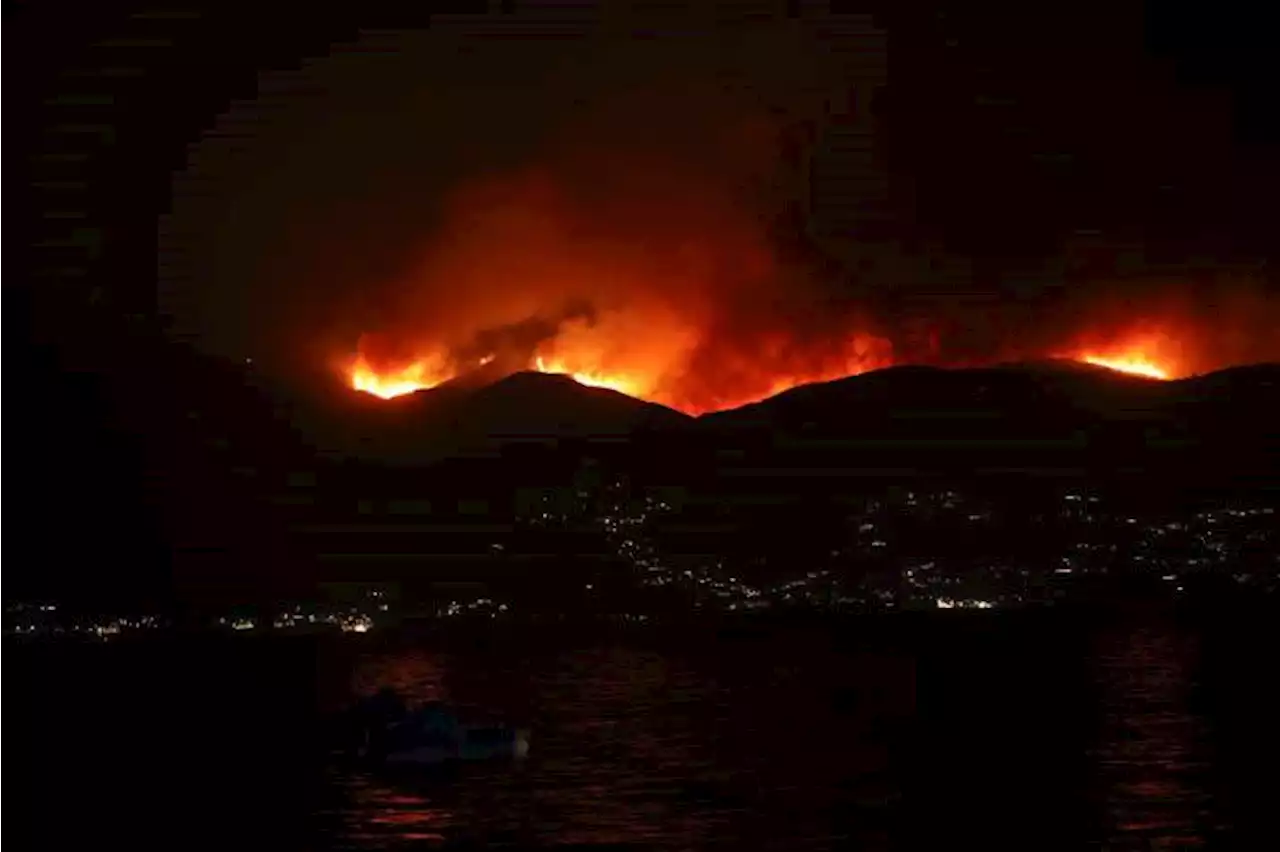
1153 749
382 813
417 675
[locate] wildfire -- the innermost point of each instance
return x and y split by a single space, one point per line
1150 352
387 386
428 372
1133 364
592 379
653 362
424 375
417 375
652 356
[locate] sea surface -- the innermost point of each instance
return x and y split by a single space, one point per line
1031 731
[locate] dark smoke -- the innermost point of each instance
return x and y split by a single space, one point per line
512 347
667 204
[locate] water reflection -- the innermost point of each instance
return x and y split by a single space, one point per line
383 816
1152 754
416 674
635 747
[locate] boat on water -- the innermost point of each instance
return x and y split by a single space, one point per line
389 733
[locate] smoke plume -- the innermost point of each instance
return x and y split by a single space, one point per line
642 250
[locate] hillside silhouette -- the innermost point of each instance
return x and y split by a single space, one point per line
469 418
197 476
1050 417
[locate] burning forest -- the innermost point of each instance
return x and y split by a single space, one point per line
659 263
662 242
688 303
659 234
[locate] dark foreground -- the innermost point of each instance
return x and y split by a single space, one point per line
987 730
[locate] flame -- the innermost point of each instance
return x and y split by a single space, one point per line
656 283
390 382
772 369
1145 351
425 373
660 372
1134 364
591 378
389 385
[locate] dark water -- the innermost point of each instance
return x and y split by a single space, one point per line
991 730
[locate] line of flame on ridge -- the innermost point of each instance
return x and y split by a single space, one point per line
426 374
1134 365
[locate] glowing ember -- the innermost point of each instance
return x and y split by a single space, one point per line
1135 365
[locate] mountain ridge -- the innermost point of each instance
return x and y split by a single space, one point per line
1085 409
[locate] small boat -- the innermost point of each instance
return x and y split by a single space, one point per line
430 735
